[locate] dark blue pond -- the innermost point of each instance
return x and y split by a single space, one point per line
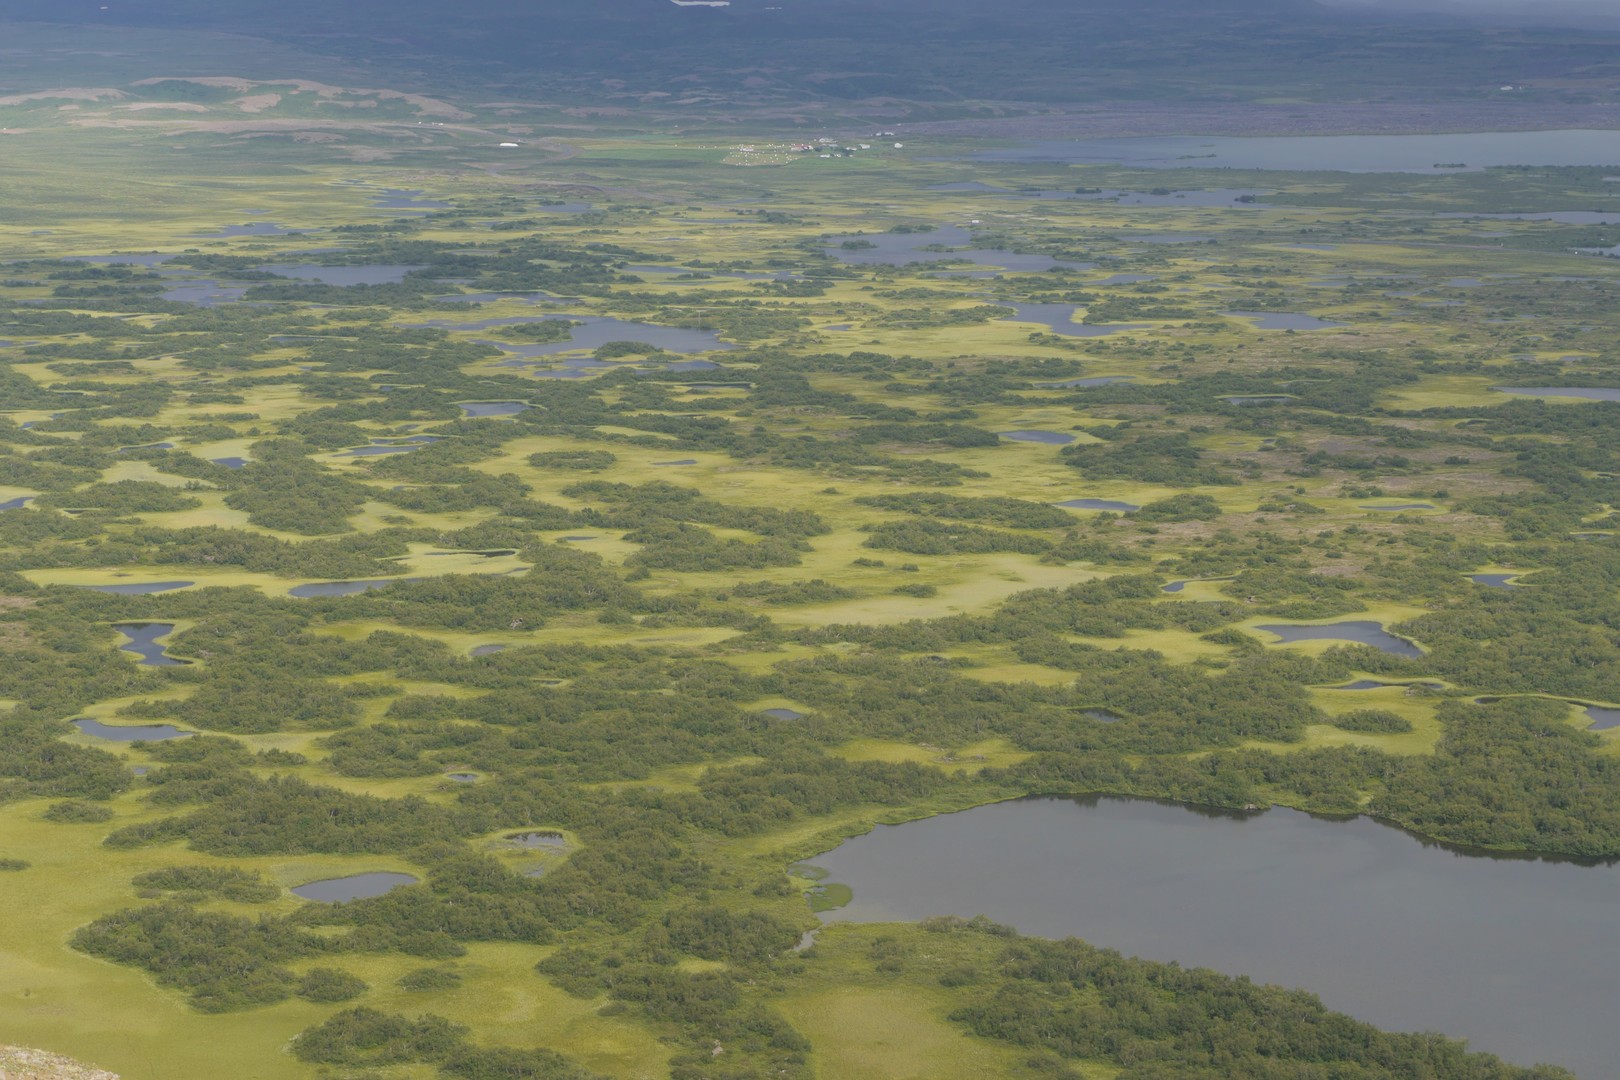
340 588
783 714
1051 438
17 503
230 462
1400 507
1059 318
353 887
143 642
1362 632
131 733
493 408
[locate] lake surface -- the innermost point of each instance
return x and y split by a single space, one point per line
354 887
1362 632
1517 955
143 642
1602 719
1051 438
133 733
145 588
16 504
1590 393
1336 153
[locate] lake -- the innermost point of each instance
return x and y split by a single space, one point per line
1362 632
353 887
1518 955
1335 153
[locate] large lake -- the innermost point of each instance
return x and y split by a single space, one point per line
1338 153
1517 955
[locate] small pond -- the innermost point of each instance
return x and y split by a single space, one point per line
1517 955
143 642
1398 508
493 408
144 588
1602 719
1098 380
1496 581
1590 393
783 714
406 199
250 228
682 461
1051 438
1100 504
540 838
1361 631
1374 684
17 503
131 733
353 887
1059 318
1178 586
340 588
377 274
487 650
230 462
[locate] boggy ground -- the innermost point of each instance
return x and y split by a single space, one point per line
823 518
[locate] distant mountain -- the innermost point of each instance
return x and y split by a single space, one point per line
940 51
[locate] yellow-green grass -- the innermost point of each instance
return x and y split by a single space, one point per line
985 754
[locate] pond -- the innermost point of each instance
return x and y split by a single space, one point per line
250 228
1100 504
1059 318
899 249
405 199
143 642
1257 399
230 462
1283 320
1051 438
1100 380
144 588
592 332
376 274
131 733
783 714
1179 586
1517 955
1496 581
353 887
340 588
487 650
1335 153
17 503
540 838
1400 507
493 408
1374 684
1362 632
1590 393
